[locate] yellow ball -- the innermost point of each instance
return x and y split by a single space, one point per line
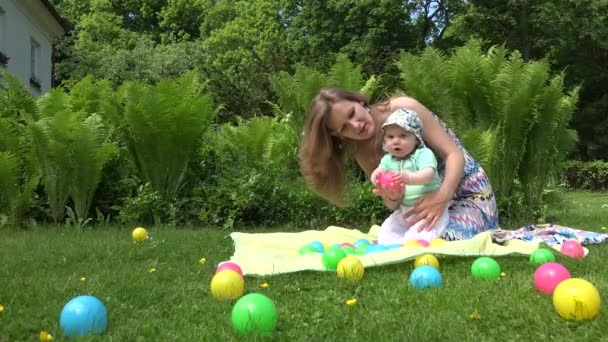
139 234
227 284
436 242
325 246
412 243
576 299
350 268
426 259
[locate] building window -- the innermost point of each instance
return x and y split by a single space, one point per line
35 63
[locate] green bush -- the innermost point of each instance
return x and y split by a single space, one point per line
512 115
586 175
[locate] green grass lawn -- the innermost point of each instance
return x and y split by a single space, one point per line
41 269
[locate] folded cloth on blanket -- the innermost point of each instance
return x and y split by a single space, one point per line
550 234
276 253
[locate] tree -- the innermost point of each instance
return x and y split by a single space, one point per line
572 35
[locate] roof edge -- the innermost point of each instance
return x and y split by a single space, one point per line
64 24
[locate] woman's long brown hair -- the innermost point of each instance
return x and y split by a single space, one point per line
322 155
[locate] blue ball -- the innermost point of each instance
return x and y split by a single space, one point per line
318 246
375 248
83 315
394 246
361 242
424 277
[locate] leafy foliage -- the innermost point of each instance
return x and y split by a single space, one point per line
513 116
164 125
71 144
570 34
585 175
9 179
20 175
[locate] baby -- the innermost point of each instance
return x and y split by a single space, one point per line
414 165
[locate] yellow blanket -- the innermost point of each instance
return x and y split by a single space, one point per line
275 253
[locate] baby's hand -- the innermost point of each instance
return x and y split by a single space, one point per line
402 178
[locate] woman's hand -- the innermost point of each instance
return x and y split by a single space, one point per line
428 210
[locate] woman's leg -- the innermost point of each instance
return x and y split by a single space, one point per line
471 215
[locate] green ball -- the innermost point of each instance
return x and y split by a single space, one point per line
486 268
254 314
307 249
541 256
362 249
348 250
331 258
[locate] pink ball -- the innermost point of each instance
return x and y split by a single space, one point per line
423 243
230 266
573 249
346 244
548 276
385 180
374 242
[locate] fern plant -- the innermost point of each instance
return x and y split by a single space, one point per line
20 175
9 180
72 144
16 102
296 91
262 143
511 115
163 126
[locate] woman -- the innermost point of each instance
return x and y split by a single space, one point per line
341 123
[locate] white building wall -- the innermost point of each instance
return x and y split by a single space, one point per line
24 21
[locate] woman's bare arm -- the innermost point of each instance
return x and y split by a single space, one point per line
430 206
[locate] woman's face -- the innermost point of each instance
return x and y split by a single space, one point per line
349 119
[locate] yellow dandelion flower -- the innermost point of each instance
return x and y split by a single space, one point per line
603 228
503 274
264 286
83 279
474 314
152 270
352 301
45 336
1 307
203 260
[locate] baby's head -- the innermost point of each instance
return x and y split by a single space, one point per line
402 132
